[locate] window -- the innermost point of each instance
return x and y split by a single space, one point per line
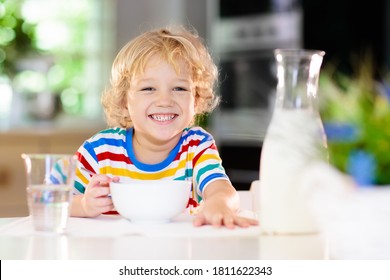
58 49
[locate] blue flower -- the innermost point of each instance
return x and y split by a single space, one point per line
385 89
340 132
362 167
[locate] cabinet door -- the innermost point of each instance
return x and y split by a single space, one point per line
241 163
67 143
13 201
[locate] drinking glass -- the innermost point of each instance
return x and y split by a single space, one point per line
50 178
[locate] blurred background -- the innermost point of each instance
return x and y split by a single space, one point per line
55 59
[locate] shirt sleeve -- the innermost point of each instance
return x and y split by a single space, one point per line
87 166
207 165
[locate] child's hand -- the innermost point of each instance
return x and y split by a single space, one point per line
96 199
220 206
216 212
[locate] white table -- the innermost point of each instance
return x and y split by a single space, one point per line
112 237
357 227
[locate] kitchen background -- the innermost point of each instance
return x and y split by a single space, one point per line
55 59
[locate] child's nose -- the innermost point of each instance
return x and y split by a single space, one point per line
164 97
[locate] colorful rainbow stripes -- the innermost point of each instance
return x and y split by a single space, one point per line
110 152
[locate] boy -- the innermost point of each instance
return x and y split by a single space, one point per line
160 82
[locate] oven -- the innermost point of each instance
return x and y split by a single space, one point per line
242 36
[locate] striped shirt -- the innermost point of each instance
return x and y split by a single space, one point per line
110 152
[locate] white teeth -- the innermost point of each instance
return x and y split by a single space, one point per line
162 118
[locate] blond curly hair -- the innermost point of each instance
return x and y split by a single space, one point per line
171 43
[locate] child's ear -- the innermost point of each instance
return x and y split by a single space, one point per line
125 111
197 105
124 105
126 116
196 100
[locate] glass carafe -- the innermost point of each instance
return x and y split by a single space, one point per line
294 139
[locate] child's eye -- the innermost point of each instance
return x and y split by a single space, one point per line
179 89
147 89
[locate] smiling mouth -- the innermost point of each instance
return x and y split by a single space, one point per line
163 117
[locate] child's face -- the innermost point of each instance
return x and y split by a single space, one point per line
161 102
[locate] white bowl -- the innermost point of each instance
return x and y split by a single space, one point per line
150 201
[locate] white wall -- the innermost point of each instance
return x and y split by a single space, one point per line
136 16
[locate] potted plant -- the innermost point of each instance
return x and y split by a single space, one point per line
356 114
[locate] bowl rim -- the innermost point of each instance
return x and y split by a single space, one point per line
148 182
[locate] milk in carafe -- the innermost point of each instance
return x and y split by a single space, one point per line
295 138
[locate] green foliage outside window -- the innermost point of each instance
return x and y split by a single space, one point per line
41 51
356 114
